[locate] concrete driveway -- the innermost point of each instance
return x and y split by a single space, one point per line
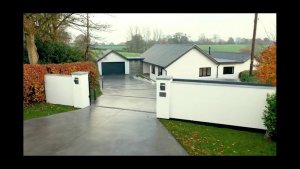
121 122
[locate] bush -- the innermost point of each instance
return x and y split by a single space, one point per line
34 87
269 116
244 76
33 83
55 52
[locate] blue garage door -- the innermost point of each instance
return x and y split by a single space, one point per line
113 68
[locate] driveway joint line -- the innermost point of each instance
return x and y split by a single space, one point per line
126 109
130 96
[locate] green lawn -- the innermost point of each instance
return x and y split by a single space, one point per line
113 47
44 109
202 140
97 53
224 48
129 54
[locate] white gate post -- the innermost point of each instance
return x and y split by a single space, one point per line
81 89
163 96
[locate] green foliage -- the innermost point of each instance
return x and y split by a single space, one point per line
136 44
55 52
270 115
202 140
178 38
244 77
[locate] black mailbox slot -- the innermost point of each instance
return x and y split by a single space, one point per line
76 80
162 94
162 86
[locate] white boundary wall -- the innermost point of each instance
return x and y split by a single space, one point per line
62 89
59 89
229 104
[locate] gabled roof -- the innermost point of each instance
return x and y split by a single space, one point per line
230 57
107 52
164 55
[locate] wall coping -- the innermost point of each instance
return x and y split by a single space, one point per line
223 82
79 73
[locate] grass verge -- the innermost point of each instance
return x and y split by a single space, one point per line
44 109
202 140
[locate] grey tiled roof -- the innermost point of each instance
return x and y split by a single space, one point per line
165 54
230 57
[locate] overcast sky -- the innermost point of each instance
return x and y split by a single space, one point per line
225 25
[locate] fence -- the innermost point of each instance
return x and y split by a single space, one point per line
228 103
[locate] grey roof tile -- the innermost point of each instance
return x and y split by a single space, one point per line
165 54
223 57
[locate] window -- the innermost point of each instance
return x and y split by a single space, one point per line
204 71
228 70
153 69
159 71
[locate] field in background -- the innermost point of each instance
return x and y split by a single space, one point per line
236 48
129 54
113 47
224 48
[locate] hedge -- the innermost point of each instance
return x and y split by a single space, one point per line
33 82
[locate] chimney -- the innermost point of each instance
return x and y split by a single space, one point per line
209 50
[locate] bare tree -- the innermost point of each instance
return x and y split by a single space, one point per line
146 34
157 35
216 38
86 26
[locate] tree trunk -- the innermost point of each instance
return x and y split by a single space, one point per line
31 48
253 45
88 37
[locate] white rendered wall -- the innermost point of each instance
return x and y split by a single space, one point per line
235 105
163 103
59 89
219 103
238 67
187 67
81 91
112 57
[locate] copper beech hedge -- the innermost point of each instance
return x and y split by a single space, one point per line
33 78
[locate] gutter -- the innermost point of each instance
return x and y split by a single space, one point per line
218 70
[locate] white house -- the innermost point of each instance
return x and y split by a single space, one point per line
188 61
114 63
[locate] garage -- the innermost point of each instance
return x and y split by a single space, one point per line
113 68
112 63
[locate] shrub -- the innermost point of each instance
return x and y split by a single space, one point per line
266 68
34 87
33 83
55 52
269 116
244 76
